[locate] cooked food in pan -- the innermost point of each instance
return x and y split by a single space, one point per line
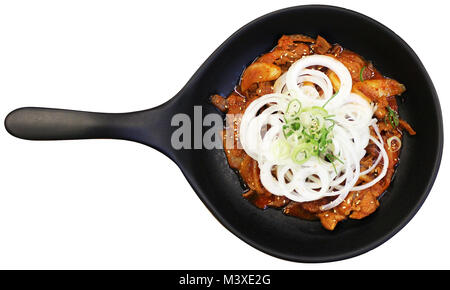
314 129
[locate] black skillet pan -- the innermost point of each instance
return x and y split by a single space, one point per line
219 187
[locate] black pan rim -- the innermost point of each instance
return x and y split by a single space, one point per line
406 219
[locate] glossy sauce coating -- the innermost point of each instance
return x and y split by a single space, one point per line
258 79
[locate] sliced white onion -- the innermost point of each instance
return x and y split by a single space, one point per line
300 68
262 128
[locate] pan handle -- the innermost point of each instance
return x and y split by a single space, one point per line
149 127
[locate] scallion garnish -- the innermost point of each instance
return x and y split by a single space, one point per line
361 73
392 117
309 132
330 99
331 158
301 153
293 109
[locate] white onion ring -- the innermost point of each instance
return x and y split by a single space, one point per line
299 68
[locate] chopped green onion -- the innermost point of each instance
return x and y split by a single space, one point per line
331 157
288 133
396 146
293 109
334 158
295 126
333 123
392 116
280 149
361 73
316 110
332 163
308 131
302 153
330 99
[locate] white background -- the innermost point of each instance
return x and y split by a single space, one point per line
104 204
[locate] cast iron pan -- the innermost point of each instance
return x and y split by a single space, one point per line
219 187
